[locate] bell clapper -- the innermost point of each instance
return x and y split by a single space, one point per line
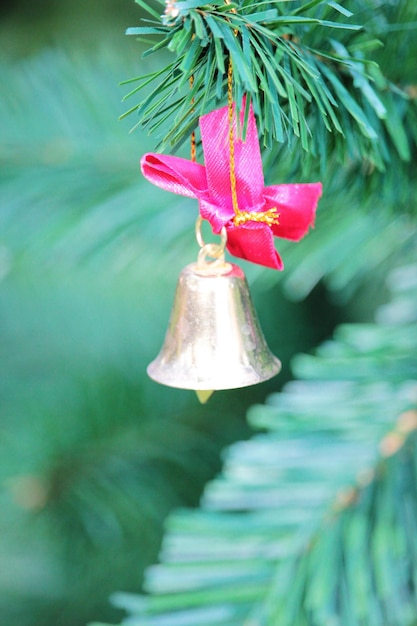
204 394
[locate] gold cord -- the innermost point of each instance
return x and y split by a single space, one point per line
269 217
231 137
193 140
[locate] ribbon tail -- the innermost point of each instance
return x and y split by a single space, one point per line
175 174
255 245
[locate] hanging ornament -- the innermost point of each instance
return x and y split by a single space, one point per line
214 340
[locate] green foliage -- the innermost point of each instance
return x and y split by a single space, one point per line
93 454
313 520
307 67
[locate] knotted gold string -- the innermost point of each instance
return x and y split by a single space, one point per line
193 141
268 217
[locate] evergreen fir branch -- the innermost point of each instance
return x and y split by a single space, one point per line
314 520
305 82
368 544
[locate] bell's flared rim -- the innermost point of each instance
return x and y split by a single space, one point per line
245 376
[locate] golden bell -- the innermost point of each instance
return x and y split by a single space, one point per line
214 340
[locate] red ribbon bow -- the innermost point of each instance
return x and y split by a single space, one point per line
252 236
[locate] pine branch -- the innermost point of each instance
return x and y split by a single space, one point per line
359 567
313 520
305 66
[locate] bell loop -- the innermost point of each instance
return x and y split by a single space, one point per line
210 250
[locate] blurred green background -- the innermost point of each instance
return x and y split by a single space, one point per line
93 454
